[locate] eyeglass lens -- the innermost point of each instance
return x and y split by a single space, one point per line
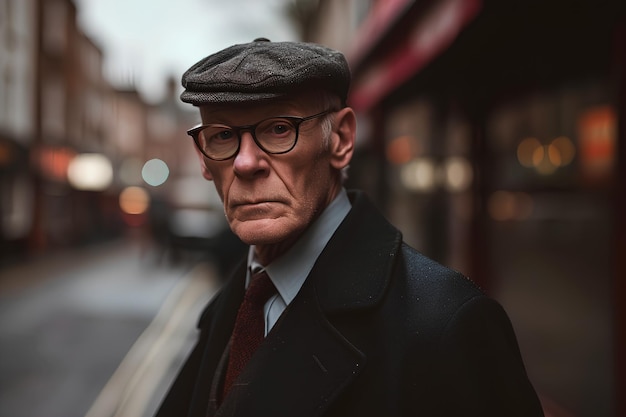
275 135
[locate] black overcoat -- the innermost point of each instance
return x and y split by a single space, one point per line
376 330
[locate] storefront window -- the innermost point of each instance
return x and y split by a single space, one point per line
430 179
549 211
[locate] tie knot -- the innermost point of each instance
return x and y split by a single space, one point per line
261 288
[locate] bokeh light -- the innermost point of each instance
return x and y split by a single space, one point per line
399 150
419 175
134 200
155 172
458 174
546 159
90 172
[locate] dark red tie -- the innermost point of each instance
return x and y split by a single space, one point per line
249 327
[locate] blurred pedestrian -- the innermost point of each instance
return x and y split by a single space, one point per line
331 314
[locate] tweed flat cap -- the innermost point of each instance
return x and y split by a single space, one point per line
262 70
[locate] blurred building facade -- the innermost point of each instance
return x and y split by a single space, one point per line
70 142
17 113
492 134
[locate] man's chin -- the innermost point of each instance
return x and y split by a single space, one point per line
260 231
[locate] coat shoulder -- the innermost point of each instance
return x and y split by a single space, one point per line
425 276
432 293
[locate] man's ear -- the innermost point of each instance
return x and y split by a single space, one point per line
343 137
205 171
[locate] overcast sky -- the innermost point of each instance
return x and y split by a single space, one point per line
145 40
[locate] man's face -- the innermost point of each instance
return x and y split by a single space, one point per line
271 199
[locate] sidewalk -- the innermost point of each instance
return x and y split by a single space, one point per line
112 315
144 376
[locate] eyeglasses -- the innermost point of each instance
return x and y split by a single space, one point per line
275 135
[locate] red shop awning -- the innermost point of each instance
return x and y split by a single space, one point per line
432 33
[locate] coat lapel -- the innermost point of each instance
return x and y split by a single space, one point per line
298 375
216 324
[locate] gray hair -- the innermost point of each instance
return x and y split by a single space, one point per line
330 101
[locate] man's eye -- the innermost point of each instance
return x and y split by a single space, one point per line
223 135
280 129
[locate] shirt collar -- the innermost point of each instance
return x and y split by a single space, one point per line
289 271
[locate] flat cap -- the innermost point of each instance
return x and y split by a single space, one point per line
262 70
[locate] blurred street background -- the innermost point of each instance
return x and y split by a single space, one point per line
491 132
97 331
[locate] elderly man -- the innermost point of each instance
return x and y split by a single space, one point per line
331 314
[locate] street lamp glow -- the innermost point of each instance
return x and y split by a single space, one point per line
90 172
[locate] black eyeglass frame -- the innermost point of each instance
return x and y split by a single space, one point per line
296 121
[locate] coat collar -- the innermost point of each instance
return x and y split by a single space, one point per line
359 257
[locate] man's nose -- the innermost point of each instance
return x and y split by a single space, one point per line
249 155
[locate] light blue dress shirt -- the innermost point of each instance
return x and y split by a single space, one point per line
290 270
